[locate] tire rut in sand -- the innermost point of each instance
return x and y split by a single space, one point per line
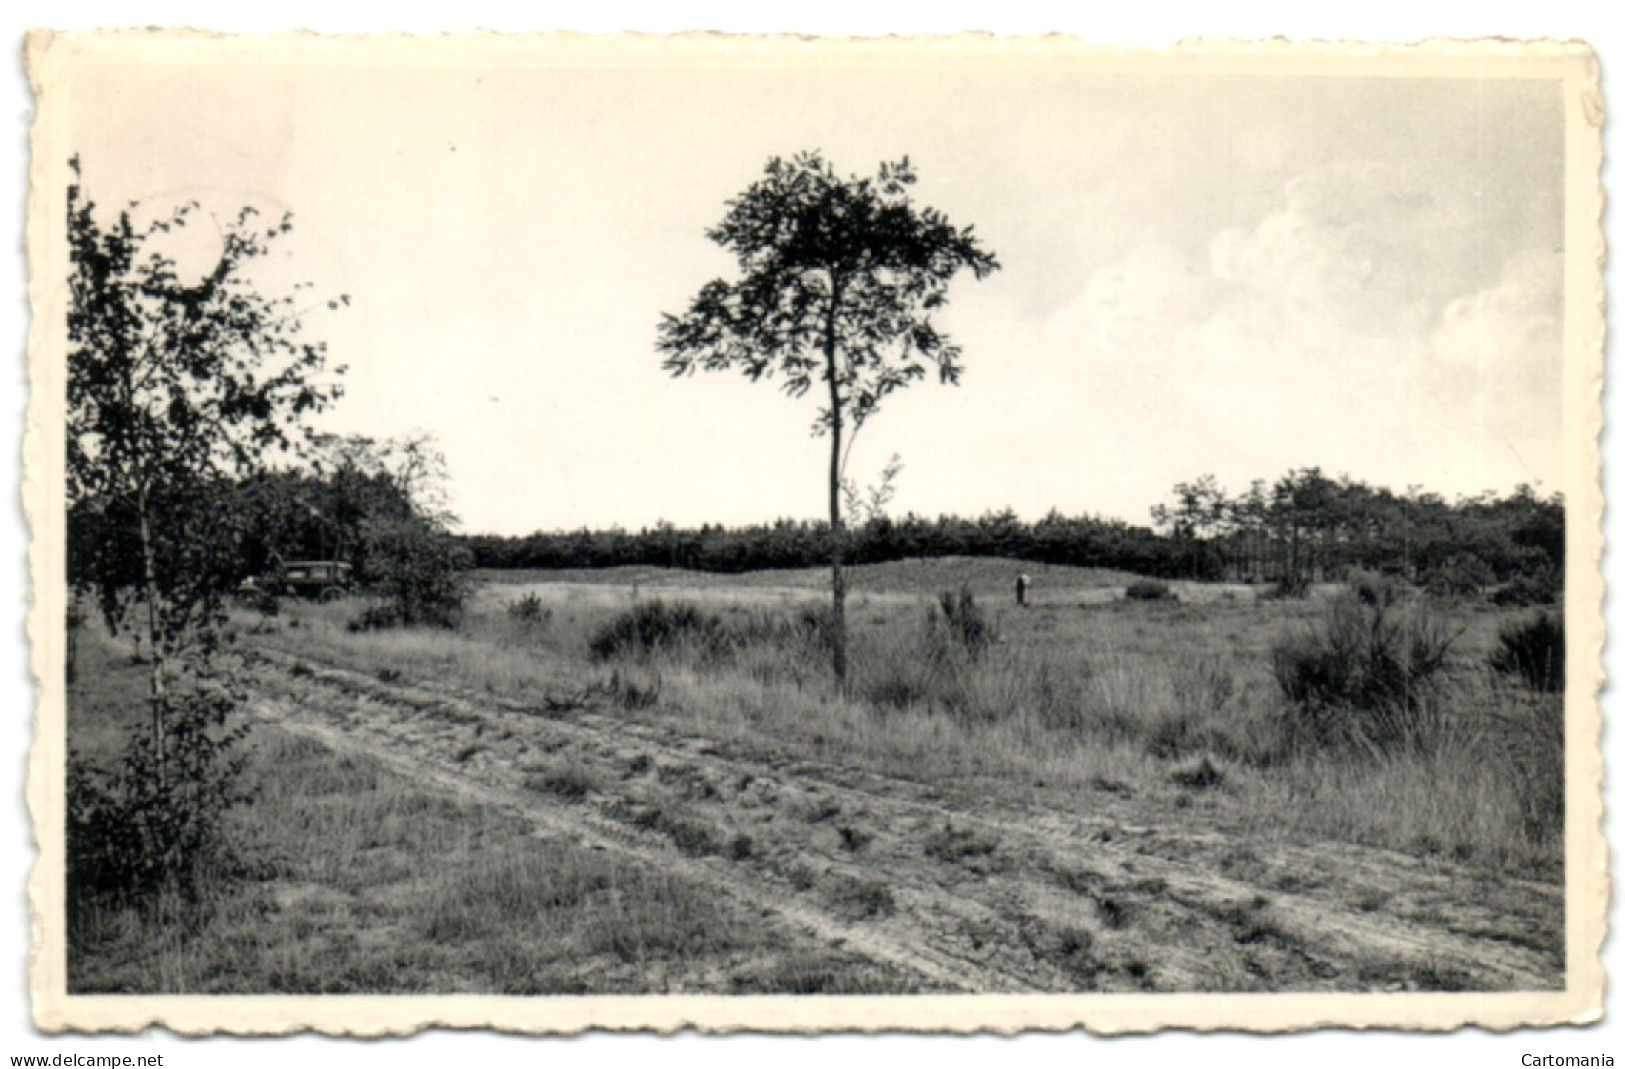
1004 898
936 970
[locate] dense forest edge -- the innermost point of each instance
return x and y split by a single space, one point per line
1304 528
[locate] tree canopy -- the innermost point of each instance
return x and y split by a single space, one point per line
176 386
838 281
829 264
179 384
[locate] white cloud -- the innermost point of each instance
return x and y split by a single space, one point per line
1360 325
1499 360
1512 327
1368 246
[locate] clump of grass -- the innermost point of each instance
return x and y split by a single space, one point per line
1363 674
958 845
809 628
820 973
657 626
1148 590
1070 946
1528 730
862 898
632 691
1373 588
817 810
687 832
564 779
1532 650
854 838
1203 689
1201 774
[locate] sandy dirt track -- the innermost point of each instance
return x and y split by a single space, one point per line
966 890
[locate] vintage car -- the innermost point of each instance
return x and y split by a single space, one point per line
326 580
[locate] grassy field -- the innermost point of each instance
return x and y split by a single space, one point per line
985 576
360 880
1073 691
1093 794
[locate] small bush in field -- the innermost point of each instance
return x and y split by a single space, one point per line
1373 588
1363 673
964 621
1148 590
133 835
655 626
1533 651
530 610
417 569
809 627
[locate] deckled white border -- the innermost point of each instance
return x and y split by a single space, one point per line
1586 873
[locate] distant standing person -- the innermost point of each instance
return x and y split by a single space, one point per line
1022 583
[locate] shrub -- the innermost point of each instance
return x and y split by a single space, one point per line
657 626
131 837
1373 588
530 610
963 621
1533 651
1148 590
808 627
417 569
1364 673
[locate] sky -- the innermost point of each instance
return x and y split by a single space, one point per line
1212 272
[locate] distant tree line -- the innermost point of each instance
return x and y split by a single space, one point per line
805 543
365 497
1306 527
1303 527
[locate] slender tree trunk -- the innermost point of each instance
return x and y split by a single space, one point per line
837 580
157 690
